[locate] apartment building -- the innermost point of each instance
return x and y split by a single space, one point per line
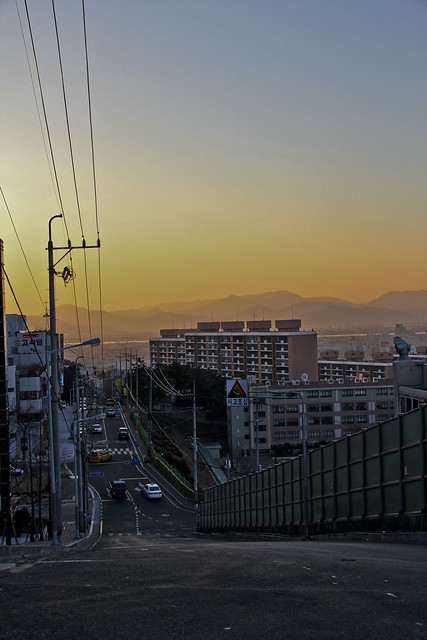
332 410
348 370
242 349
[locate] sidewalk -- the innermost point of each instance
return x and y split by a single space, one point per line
22 548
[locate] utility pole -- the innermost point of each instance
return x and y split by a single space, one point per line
53 382
4 416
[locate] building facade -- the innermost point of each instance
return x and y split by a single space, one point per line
253 350
274 415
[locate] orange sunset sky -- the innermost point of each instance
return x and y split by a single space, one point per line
240 147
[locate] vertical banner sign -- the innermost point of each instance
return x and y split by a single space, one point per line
237 393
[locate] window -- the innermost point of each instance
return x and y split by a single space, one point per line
291 408
293 435
278 408
279 435
278 422
328 433
312 394
361 419
361 406
326 407
314 434
326 394
348 420
360 392
382 391
347 406
384 417
313 407
382 405
346 393
313 421
349 432
327 420
292 422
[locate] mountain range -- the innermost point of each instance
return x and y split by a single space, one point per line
320 313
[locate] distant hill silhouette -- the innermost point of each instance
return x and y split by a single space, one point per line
319 313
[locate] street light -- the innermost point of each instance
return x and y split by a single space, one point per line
55 462
290 395
298 394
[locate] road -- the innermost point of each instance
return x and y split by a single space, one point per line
137 515
152 576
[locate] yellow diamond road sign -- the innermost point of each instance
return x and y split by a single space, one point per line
237 393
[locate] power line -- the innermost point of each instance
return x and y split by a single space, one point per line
95 192
22 248
46 119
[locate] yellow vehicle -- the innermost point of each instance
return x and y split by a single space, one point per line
99 455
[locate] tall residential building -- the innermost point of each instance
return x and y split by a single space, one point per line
237 349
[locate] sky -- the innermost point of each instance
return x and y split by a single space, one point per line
241 146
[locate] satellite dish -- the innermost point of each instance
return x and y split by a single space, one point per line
304 377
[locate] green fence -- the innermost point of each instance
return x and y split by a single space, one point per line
373 480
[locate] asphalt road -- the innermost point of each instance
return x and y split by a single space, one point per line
150 576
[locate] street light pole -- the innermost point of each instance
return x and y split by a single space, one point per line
196 497
298 394
55 460
289 395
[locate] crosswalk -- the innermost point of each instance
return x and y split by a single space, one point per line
123 451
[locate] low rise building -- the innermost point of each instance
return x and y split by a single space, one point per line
274 414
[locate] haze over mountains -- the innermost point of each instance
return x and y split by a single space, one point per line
320 313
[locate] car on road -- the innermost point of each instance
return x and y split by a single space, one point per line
151 491
117 489
99 455
111 411
123 433
16 471
96 428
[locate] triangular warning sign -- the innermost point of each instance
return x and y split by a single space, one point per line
236 391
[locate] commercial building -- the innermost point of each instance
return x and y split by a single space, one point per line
241 349
332 410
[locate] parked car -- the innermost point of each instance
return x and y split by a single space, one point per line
117 489
96 428
151 491
123 433
99 455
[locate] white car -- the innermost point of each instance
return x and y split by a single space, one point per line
96 428
151 491
16 471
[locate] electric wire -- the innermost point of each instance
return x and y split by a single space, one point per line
155 379
76 191
95 190
61 205
36 102
22 248
42 363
